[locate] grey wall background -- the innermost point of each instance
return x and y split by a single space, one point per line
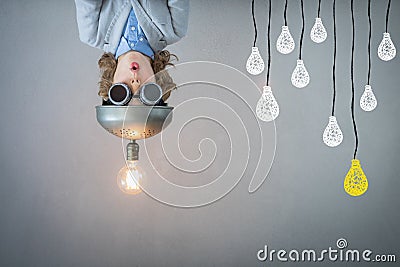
60 205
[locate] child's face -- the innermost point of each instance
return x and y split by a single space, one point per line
134 69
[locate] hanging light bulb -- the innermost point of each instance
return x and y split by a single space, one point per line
386 49
332 136
267 108
130 176
368 101
285 43
355 183
300 77
255 63
318 32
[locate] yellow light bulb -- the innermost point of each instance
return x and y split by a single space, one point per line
355 183
130 177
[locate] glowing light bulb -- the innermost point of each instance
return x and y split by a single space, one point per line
300 77
355 183
285 43
130 177
255 63
318 32
267 108
332 136
368 101
386 49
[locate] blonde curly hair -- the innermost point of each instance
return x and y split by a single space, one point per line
108 64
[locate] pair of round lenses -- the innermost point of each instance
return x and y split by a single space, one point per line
120 94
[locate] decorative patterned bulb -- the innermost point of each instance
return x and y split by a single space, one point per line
386 49
255 63
318 33
332 136
355 183
267 108
368 101
300 77
285 43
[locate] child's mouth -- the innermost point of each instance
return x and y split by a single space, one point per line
134 66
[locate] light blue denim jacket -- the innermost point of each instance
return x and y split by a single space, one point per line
101 22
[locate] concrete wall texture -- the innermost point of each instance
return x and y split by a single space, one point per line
60 205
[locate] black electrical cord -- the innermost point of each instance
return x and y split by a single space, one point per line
269 42
284 13
369 41
254 23
387 15
334 58
319 8
352 80
302 28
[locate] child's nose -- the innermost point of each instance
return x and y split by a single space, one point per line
135 84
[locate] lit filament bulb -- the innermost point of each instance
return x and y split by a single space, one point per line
318 32
285 43
267 108
368 100
129 178
300 76
255 63
386 49
131 175
332 136
355 183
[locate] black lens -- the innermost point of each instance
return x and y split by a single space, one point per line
151 93
119 94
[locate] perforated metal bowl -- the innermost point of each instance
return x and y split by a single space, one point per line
134 122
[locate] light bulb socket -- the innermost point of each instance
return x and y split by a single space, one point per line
254 49
386 35
267 89
132 151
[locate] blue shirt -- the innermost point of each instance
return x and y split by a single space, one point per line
133 38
